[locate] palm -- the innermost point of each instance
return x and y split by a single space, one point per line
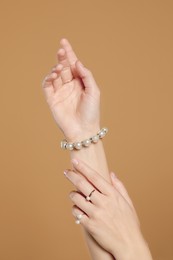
74 106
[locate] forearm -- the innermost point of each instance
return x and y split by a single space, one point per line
74 99
136 249
95 250
94 155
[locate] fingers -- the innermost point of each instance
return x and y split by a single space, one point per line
83 186
80 202
87 78
48 83
120 188
66 73
57 82
92 176
71 56
78 69
71 68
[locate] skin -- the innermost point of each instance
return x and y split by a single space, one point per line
110 216
74 100
71 90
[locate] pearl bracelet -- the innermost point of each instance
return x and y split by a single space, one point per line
79 145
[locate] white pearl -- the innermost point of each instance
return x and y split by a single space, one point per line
88 198
105 130
77 221
102 134
95 138
86 142
78 145
79 216
69 146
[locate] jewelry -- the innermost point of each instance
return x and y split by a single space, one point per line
85 143
88 198
78 218
77 221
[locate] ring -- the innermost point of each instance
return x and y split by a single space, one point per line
78 218
88 198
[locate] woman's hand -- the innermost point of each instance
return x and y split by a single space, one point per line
73 96
107 213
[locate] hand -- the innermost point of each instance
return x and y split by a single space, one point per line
73 96
109 216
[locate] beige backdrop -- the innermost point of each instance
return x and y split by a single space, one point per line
128 46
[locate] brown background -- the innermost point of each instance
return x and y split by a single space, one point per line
128 46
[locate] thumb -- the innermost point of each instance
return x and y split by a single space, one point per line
86 77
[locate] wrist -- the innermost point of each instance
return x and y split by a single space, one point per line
84 143
135 251
78 135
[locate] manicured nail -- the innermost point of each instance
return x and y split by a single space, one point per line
65 173
74 161
71 194
113 175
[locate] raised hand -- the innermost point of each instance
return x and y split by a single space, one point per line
73 95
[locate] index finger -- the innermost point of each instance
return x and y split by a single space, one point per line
96 179
70 54
72 58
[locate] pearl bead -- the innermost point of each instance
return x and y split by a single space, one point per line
105 129
95 138
69 146
88 198
63 144
78 145
79 216
86 142
102 134
77 221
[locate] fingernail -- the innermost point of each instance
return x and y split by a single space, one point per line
71 194
74 161
65 172
113 175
